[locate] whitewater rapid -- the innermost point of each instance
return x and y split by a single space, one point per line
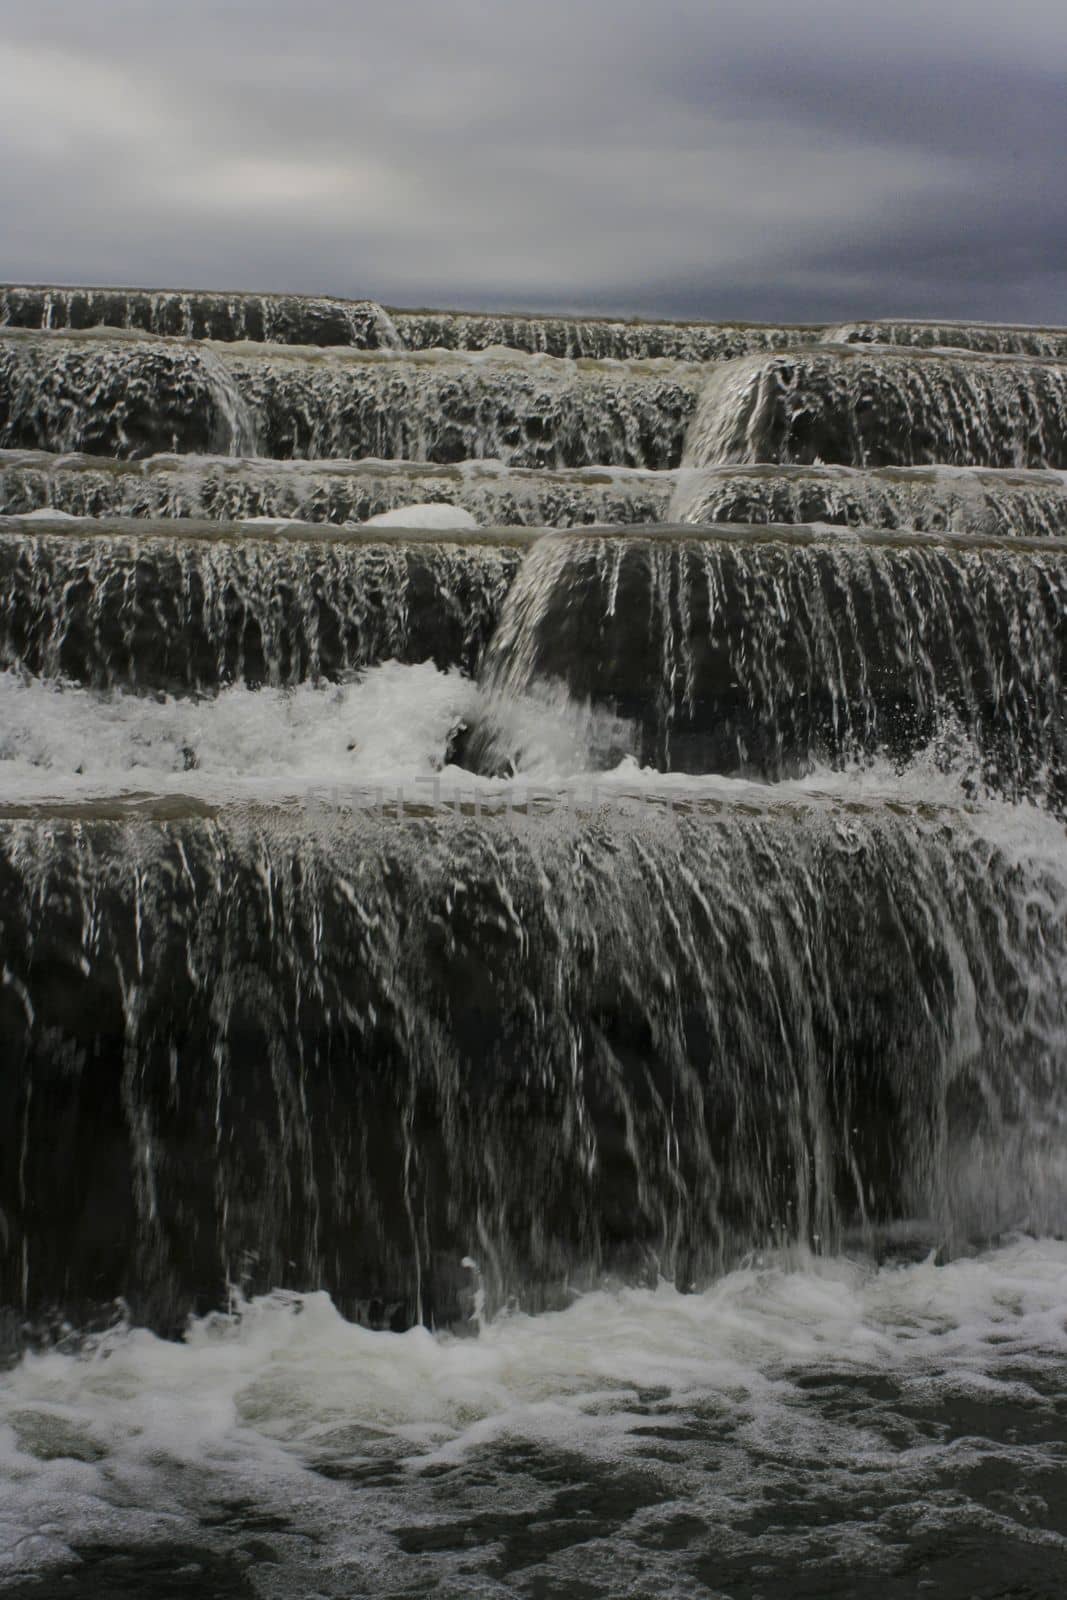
776 1418
387 736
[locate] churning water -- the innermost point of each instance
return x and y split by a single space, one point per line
534 1040
812 1428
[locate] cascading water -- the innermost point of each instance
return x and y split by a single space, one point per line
596 338
994 340
119 396
932 499
327 491
767 651
131 396
631 960
871 406
527 411
802 1056
136 606
364 325
271 318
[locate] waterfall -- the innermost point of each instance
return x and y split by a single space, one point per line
992 339
668 868
597 338
271 318
534 1042
766 651
787 1020
132 396
527 411
327 491
364 325
871 405
999 504
117 395
146 606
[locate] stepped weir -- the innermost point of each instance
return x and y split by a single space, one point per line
878 406
533 942
676 577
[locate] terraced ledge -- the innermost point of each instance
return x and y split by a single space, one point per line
325 321
135 395
266 530
1004 338
232 488
881 405
1003 502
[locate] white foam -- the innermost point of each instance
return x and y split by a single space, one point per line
391 731
47 514
392 726
425 514
137 1440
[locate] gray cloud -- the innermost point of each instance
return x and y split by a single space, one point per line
772 159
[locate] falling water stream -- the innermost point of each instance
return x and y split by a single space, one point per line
534 1040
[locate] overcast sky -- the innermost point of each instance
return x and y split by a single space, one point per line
770 159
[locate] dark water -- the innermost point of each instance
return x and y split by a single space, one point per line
993 340
826 1431
851 1027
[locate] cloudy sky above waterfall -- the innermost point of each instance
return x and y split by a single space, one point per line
761 158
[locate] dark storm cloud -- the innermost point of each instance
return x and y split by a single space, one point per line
771 159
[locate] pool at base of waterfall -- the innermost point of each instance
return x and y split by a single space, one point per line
801 1428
